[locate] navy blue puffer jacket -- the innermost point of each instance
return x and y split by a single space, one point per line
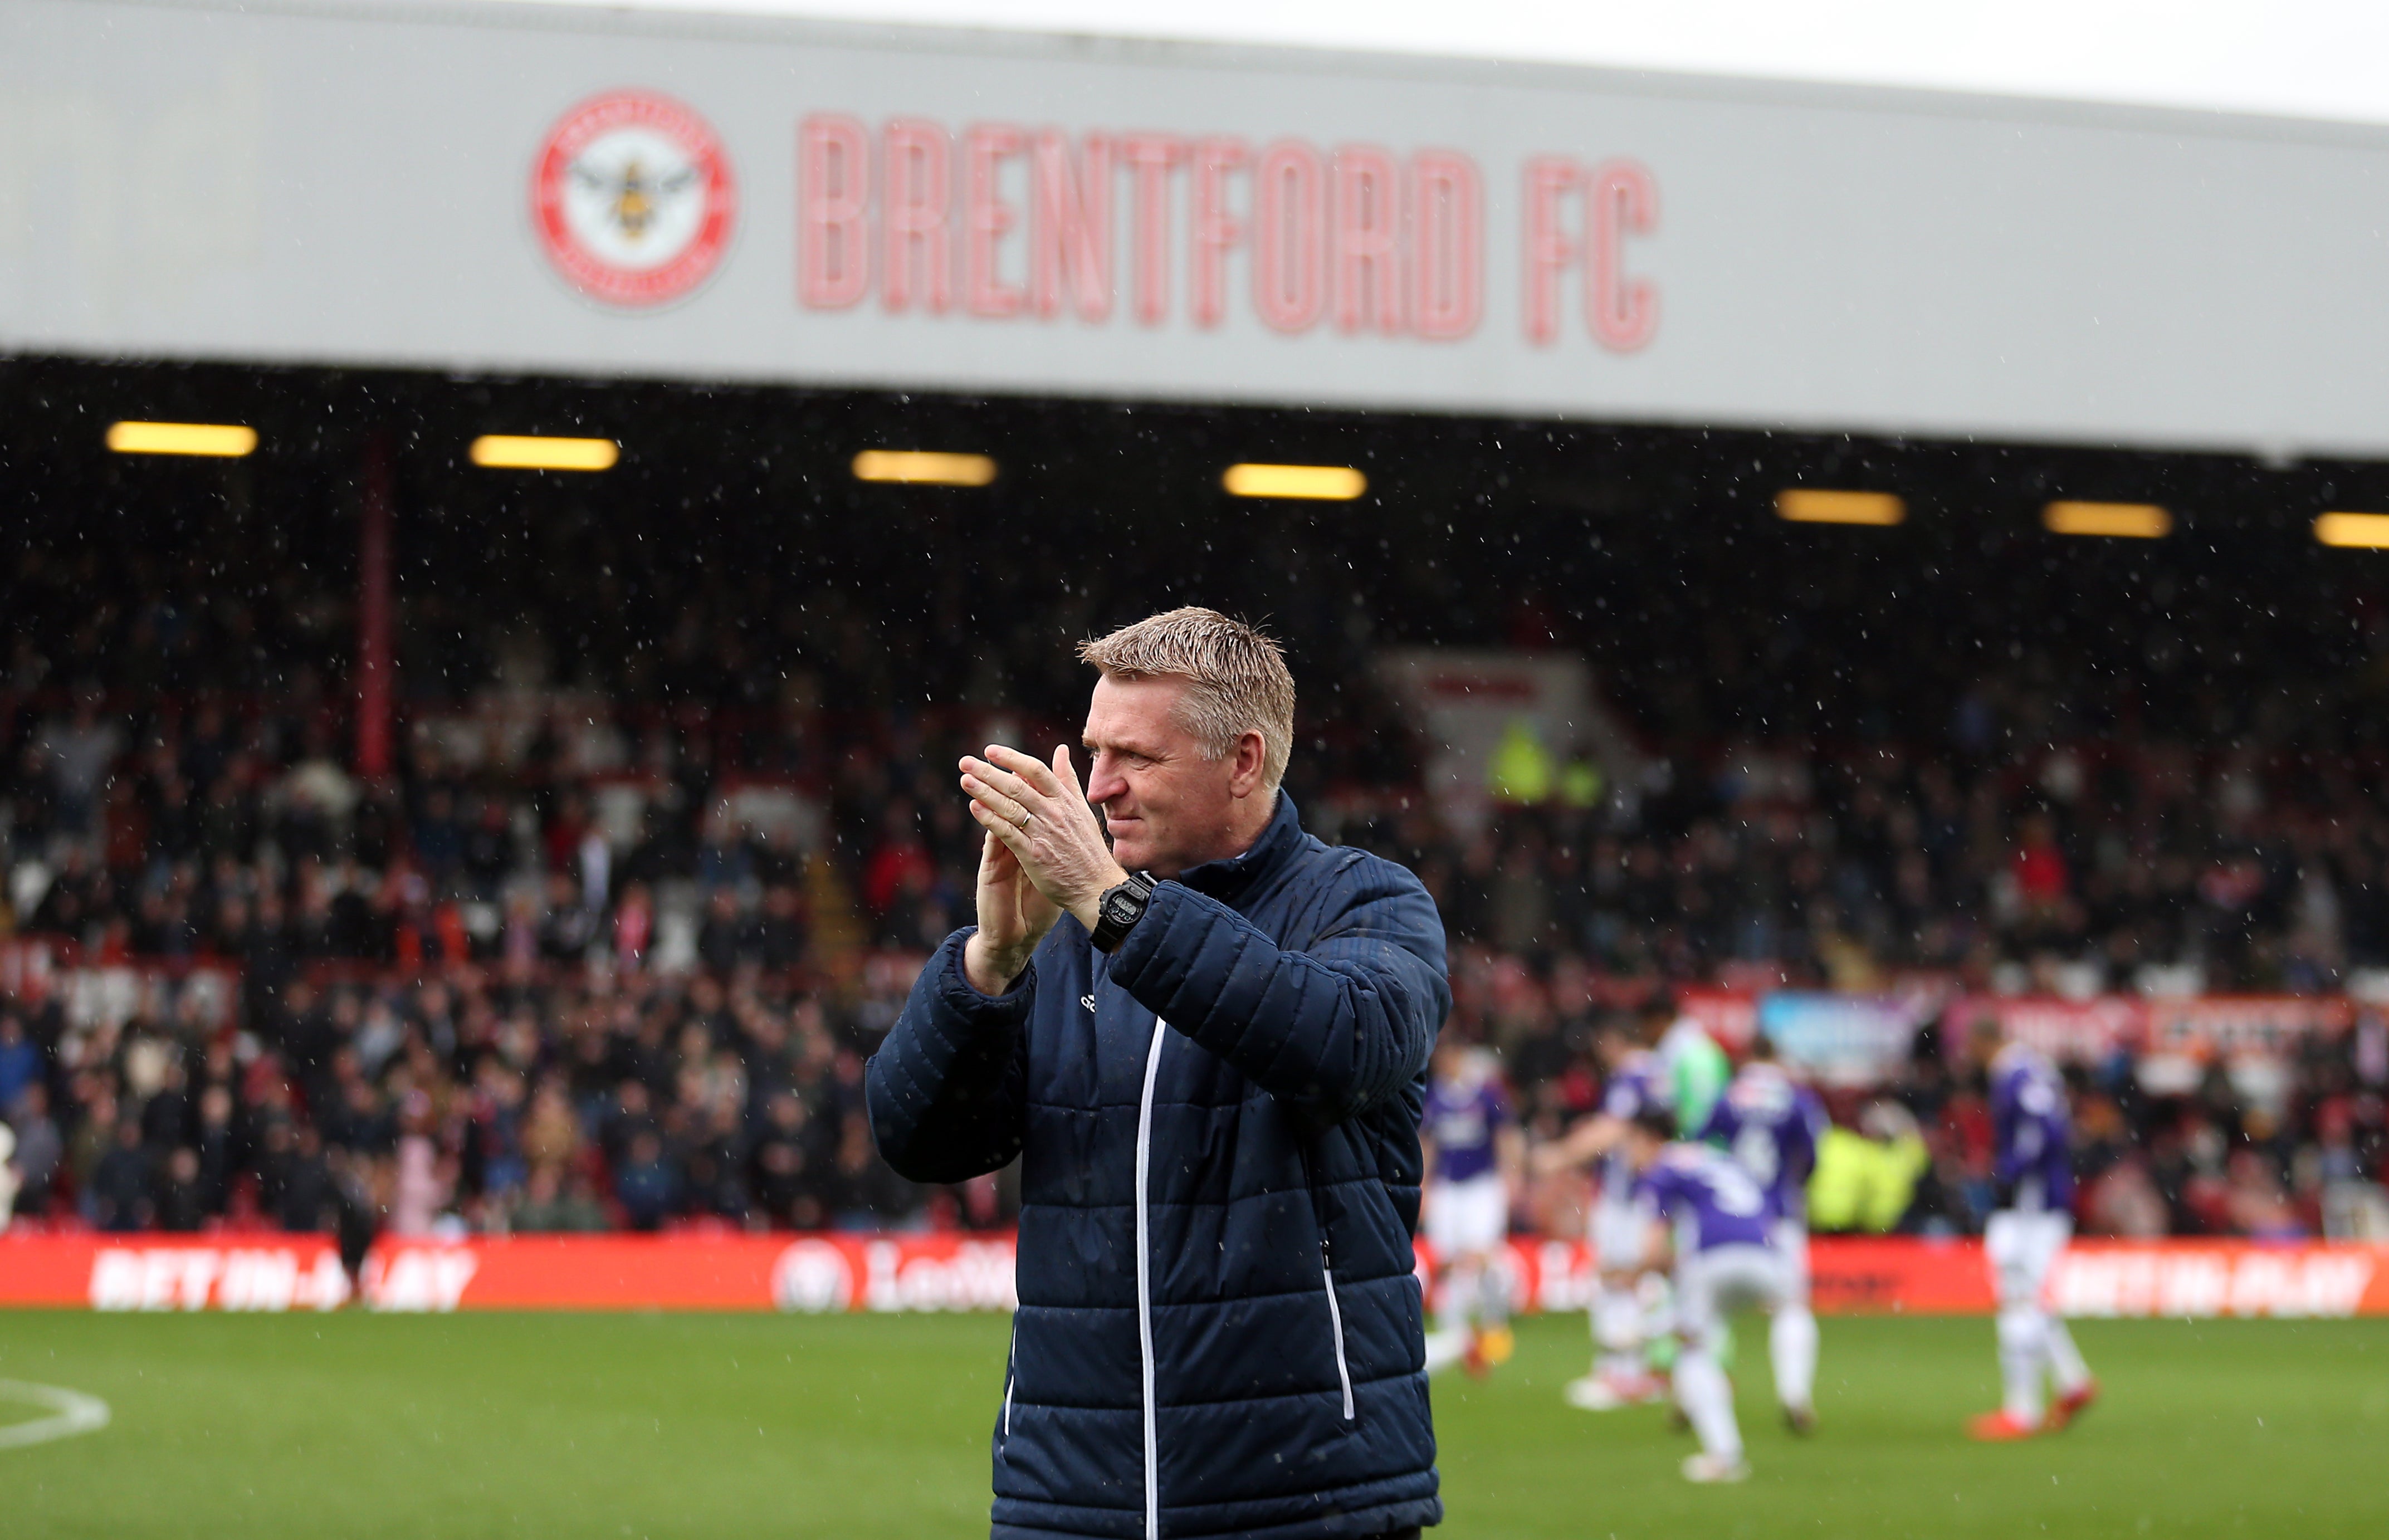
1219 1333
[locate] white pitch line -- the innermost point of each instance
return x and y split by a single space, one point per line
72 1412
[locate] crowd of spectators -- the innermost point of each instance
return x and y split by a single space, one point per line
457 990
2074 869
606 945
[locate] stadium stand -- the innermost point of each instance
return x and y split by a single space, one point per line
668 828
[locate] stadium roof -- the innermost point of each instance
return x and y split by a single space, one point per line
2300 58
1832 257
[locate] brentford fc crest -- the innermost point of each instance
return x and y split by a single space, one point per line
633 199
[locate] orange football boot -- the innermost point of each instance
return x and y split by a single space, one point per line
2072 1403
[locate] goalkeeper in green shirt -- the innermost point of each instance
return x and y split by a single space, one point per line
1694 1071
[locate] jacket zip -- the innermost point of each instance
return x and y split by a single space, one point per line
1144 1278
1327 1275
1336 1323
1011 1374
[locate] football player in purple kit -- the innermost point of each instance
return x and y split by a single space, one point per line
1623 1319
1720 1226
2032 1150
1473 1152
1771 1125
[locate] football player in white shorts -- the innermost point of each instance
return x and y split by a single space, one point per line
1625 1311
2032 1150
1720 1226
1771 1125
1474 1150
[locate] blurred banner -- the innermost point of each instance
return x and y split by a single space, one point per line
1863 1040
891 1274
2196 1026
1840 1039
197 996
2243 1026
2066 1030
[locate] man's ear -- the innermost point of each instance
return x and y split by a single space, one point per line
1250 758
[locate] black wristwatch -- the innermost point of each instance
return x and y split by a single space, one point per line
1119 909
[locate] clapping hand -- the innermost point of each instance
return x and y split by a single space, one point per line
1041 829
1013 918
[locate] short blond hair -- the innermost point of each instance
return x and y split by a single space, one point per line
1236 679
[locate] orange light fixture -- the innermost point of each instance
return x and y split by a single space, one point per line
2354 531
519 452
2144 521
1317 483
916 467
1823 505
214 440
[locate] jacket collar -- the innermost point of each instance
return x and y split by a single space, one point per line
1226 879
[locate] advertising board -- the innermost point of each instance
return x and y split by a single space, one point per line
1839 1039
838 1273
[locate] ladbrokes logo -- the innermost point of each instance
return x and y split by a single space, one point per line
813 1276
633 199
816 1275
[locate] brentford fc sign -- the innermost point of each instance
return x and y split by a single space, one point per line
633 199
973 213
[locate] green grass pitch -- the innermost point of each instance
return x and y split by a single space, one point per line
699 1426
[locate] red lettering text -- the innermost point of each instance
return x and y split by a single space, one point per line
913 211
1623 313
834 180
1447 241
1548 249
1217 231
1029 221
1289 288
1368 234
986 218
1151 157
1070 233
